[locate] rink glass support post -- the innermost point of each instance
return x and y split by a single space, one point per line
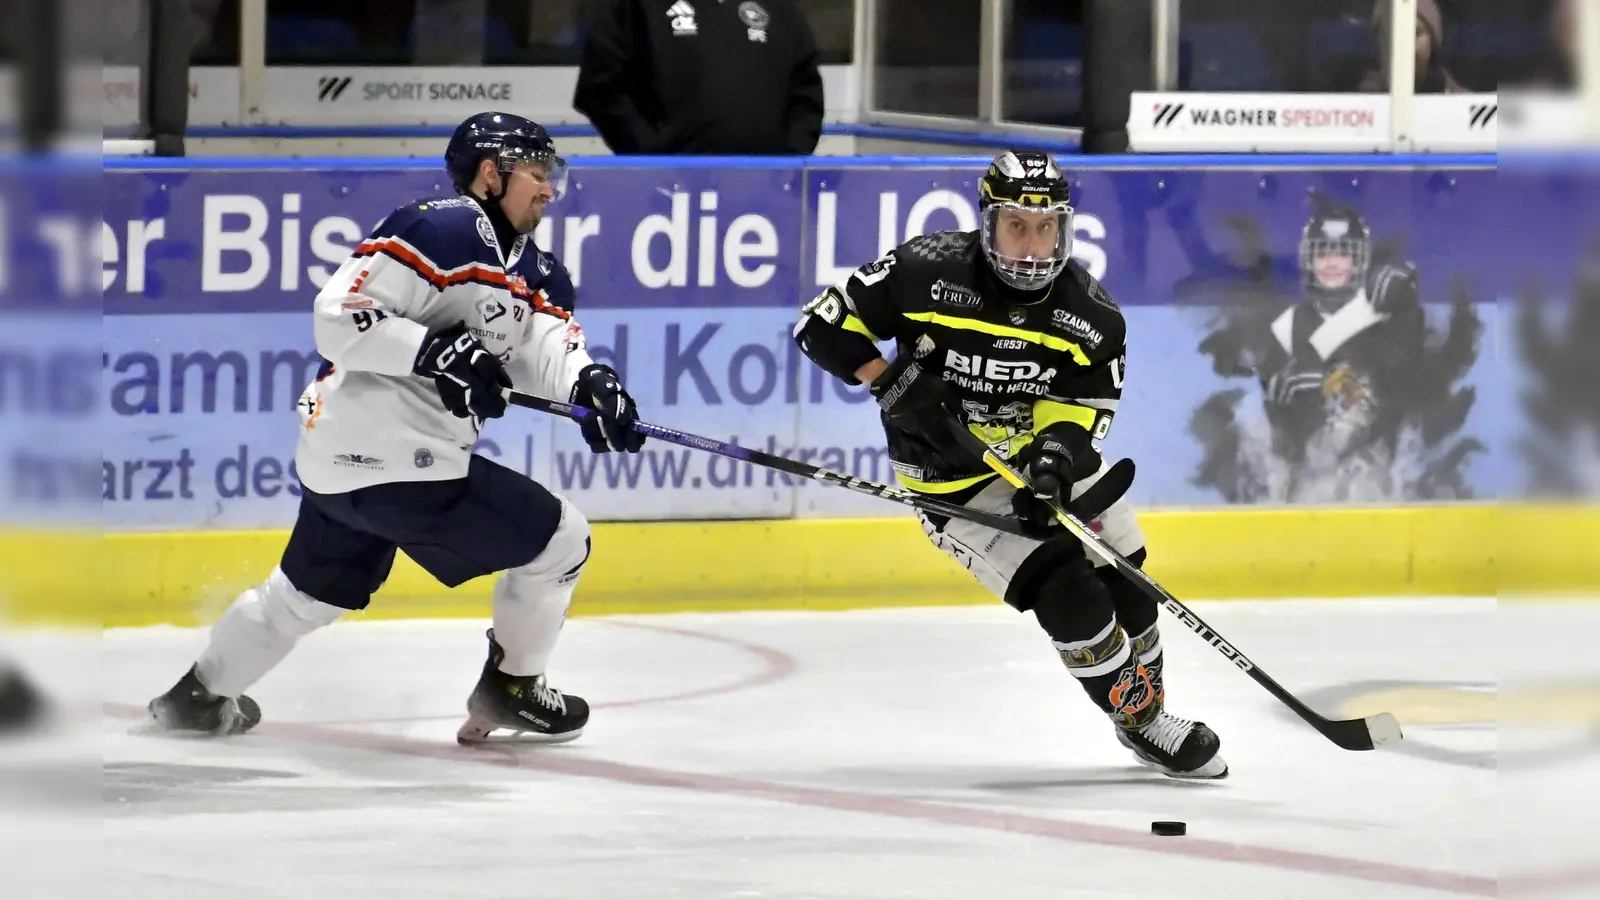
252 61
41 67
1164 32
1589 69
164 76
991 60
864 56
1402 72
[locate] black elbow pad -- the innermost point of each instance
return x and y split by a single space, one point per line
836 351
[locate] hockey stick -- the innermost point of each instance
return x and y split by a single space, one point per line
1117 481
1350 734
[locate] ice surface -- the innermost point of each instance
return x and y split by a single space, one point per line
870 755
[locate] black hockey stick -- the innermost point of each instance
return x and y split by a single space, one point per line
1350 734
1116 481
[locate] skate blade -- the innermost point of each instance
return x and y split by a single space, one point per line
477 732
1213 770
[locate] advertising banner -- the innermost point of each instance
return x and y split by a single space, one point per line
1243 121
690 279
355 95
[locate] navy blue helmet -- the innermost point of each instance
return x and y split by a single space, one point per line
507 139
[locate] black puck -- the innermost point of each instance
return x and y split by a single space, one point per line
1168 829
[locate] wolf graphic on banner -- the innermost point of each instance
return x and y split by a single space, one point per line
1360 399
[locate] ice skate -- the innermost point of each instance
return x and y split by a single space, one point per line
1177 747
190 707
523 705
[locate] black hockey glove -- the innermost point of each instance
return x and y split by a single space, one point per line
1060 457
471 380
1292 386
611 427
915 400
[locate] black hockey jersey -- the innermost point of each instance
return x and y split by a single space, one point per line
1015 367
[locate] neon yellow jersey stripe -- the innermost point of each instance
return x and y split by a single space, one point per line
852 323
1033 337
1049 412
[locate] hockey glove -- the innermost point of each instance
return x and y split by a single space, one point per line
1060 457
1291 387
471 380
915 400
611 426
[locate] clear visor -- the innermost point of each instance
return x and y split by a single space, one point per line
1028 247
542 165
1333 262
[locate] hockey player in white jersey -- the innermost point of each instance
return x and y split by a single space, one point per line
445 305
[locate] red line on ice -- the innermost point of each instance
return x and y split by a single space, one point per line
872 804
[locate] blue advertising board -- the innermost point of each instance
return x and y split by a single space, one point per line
690 277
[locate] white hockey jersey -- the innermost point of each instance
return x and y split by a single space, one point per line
367 419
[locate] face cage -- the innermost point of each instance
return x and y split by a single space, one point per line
1028 273
555 167
1355 248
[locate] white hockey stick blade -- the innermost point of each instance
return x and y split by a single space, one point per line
1384 728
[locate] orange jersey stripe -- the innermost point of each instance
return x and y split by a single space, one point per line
539 300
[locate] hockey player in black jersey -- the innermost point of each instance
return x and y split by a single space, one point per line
1000 332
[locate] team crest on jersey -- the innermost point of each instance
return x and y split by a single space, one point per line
543 263
923 347
1018 315
486 231
423 458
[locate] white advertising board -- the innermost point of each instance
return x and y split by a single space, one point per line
1191 122
1194 122
393 95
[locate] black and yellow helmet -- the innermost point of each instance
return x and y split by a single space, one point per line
1025 201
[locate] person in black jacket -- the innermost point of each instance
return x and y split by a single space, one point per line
735 77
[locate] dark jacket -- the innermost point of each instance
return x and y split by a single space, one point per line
734 77
1431 77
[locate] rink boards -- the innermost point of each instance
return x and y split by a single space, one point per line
186 578
690 275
